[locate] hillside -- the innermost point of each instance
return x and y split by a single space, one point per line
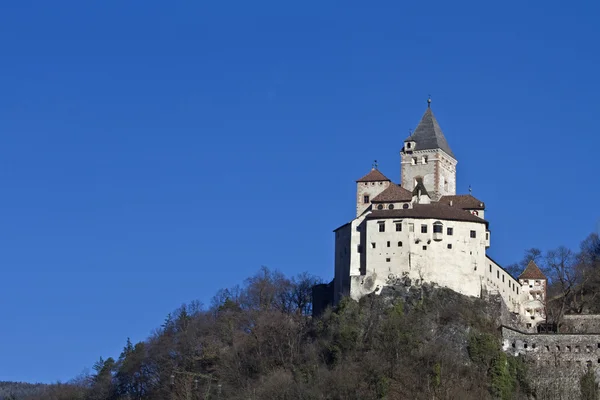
257 342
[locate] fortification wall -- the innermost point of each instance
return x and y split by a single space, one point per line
555 362
578 323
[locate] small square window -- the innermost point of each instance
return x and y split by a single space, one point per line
423 228
388 259
424 247
381 227
399 227
450 231
373 244
366 199
449 245
473 234
399 244
388 244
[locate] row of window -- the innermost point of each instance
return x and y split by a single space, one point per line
415 160
511 285
568 348
437 228
389 244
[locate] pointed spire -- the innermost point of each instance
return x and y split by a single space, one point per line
428 135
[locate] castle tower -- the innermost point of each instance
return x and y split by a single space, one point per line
427 157
533 285
368 187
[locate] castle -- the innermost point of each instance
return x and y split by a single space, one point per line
421 231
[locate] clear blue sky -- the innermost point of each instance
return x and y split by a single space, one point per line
153 152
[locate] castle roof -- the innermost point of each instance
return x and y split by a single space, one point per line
429 135
532 272
420 188
433 211
373 176
392 194
464 201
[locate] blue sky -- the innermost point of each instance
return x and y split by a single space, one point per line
153 152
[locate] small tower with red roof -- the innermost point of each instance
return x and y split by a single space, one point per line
368 187
533 286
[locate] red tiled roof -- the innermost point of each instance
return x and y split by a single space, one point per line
373 176
393 194
433 211
464 201
532 272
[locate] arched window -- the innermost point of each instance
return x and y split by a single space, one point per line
438 227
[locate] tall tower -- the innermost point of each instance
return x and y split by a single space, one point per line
427 157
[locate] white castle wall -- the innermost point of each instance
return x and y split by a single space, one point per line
420 257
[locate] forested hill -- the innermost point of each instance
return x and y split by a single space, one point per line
258 342
18 390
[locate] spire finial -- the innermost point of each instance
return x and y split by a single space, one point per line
374 166
429 102
470 189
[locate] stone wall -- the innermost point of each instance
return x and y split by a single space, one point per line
555 362
438 172
578 323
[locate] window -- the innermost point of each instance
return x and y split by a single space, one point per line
423 228
408 145
414 161
366 199
405 206
373 244
450 231
449 245
438 228
399 227
424 247
399 244
498 274
391 207
388 243
380 207
487 236
424 160
473 234
517 290
490 267
359 249
411 227
502 278
388 259
381 227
